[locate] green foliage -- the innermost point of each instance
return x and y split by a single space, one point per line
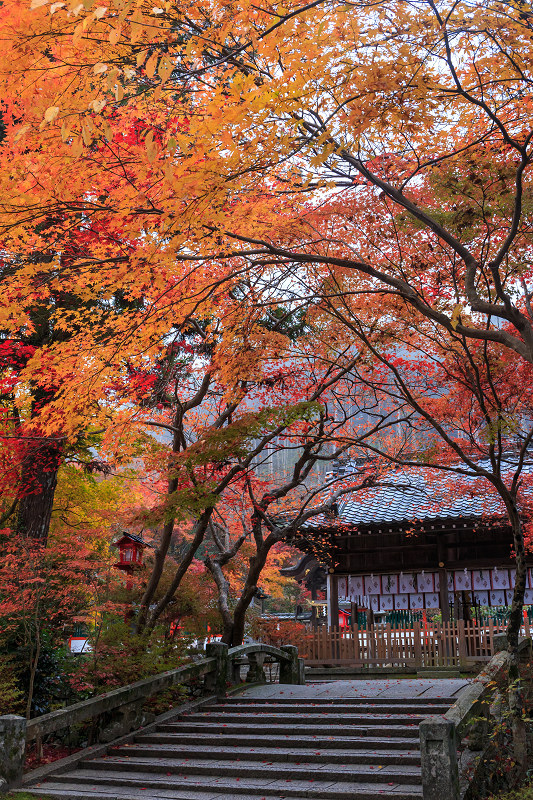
185 502
11 696
292 324
236 440
196 470
52 689
120 657
523 793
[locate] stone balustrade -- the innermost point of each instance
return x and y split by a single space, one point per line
469 716
121 709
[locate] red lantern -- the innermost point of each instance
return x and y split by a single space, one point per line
130 553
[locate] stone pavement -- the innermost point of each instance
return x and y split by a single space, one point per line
383 688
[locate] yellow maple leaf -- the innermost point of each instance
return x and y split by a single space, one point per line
51 113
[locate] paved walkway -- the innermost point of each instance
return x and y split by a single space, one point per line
382 688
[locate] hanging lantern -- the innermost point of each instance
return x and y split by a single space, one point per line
130 553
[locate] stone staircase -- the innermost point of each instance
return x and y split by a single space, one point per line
254 749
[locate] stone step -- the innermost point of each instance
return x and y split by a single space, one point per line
272 748
426 709
317 701
73 792
118 767
193 791
284 742
339 729
305 718
258 753
358 787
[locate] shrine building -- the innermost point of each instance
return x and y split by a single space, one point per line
416 540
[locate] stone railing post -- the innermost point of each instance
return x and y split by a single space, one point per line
256 673
291 671
438 750
218 681
12 750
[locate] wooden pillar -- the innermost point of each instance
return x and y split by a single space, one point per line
466 601
314 619
333 601
443 594
443 582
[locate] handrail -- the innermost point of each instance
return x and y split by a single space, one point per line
94 706
258 647
439 737
219 670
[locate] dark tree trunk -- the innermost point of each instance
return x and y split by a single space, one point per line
257 563
515 690
198 537
223 598
517 607
38 483
157 570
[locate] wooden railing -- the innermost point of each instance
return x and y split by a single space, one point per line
122 707
453 644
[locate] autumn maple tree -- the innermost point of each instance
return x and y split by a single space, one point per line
367 163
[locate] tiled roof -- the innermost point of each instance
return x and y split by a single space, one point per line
411 495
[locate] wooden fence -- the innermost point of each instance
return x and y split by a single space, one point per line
451 644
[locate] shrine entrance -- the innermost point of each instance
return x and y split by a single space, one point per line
392 551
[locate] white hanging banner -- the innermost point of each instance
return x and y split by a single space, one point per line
401 602
386 602
497 597
389 584
481 580
462 580
425 582
372 584
482 598
356 587
416 602
341 588
407 583
410 591
500 578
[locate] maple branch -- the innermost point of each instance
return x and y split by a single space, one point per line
403 289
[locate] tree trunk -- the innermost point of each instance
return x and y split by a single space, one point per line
157 570
515 690
38 485
33 671
517 607
198 537
223 598
257 563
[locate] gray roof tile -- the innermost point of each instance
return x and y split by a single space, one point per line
418 494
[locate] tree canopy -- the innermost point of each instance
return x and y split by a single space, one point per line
226 227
